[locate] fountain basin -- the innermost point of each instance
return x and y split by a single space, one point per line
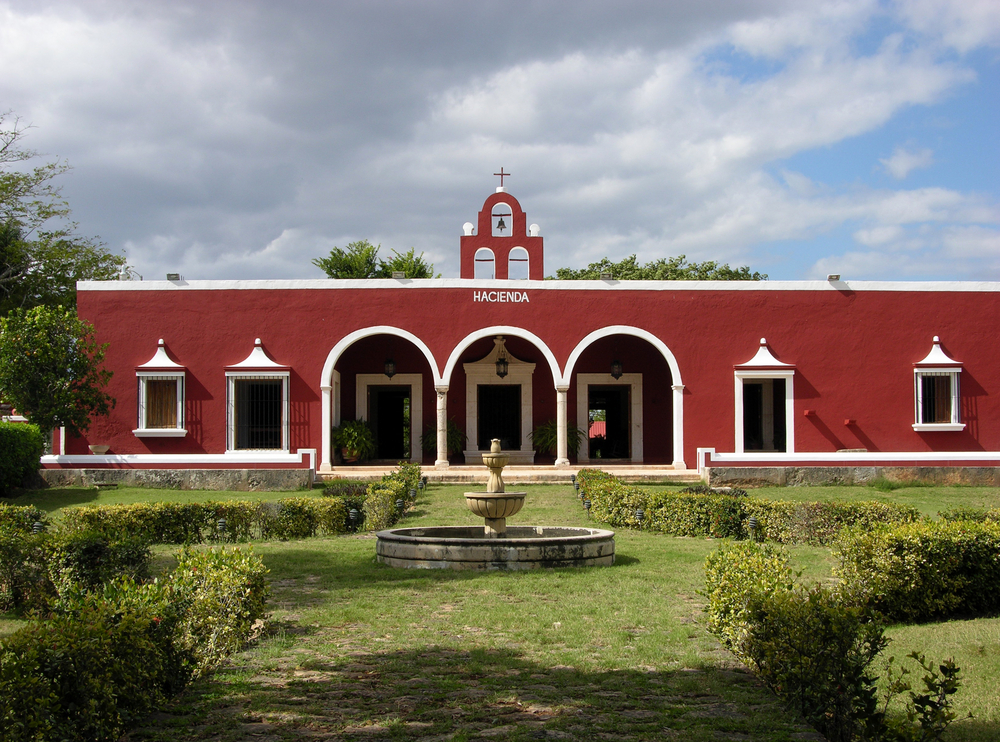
494 504
468 548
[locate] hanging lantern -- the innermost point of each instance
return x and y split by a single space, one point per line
616 369
390 367
502 364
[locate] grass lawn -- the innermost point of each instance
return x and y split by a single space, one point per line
362 651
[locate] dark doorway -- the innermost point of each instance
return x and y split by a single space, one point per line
500 416
389 417
258 413
764 415
613 404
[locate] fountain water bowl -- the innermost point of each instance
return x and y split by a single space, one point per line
495 546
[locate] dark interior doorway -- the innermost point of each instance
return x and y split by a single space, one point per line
499 416
389 417
614 405
764 415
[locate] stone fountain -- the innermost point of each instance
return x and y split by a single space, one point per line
495 546
495 505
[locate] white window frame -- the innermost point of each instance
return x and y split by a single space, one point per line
955 423
789 376
231 378
144 431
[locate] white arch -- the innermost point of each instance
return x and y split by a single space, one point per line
326 377
675 370
505 330
480 260
348 340
677 386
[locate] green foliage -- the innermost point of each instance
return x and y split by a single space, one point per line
355 438
816 651
456 439
20 450
544 438
20 518
226 592
24 581
40 266
978 515
87 560
663 269
726 515
50 368
288 518
351 488
360 260
922 571
734 573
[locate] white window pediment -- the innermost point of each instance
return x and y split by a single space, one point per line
160 396
936 393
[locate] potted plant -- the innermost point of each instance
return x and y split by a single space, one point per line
544 439
355 440
456 440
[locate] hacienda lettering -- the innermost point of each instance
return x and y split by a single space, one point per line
515 297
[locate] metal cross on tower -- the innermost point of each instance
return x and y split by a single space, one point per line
502 175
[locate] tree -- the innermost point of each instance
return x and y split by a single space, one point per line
39 265
50 368
360 260
664 269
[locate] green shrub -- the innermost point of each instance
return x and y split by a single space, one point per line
21 449
979 515
225 592
21 518
87 560
705 512
24 582
923 571
345 488
88 673
733 574
456 439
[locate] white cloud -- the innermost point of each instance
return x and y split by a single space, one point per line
904 161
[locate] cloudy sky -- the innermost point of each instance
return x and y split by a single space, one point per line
242 139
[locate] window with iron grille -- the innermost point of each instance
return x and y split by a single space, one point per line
161 405
258 412
937 400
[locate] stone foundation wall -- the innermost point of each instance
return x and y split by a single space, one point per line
239 480
988 476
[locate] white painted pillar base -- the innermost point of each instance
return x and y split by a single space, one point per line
442 428
678 430
326 454
562 442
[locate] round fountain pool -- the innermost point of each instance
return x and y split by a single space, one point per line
521 547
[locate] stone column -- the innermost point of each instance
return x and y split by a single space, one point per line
562 439
326 454
442 427
679 426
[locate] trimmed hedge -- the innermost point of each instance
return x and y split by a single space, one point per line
288 518
979 515
21 448
21 518
923 571
725 515
105 659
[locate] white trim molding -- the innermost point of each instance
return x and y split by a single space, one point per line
252 459
709 456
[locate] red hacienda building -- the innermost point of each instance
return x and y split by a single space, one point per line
683 374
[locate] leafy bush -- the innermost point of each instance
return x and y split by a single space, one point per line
24 583
733 574
817 651
225 592
21 518
21 449
345 488
88 673
711 513
87 560
979 515
455 437
923 571
545 438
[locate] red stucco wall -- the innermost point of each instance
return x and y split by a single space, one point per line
853 351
